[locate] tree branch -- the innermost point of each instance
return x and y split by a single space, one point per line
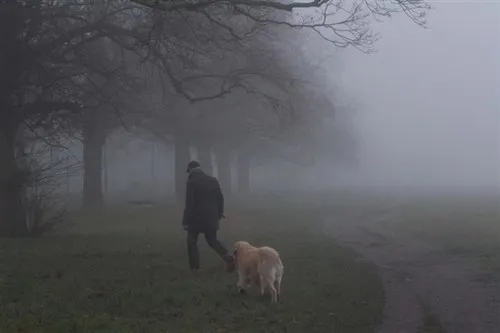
172 5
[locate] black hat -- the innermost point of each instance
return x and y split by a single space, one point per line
192 165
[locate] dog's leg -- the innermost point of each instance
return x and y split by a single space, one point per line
241 282
262 285
274 293
248 283
277 286
277 281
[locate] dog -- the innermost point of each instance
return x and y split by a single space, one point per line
260 265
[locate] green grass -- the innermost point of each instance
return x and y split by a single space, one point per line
126 271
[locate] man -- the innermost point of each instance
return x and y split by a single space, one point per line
203 210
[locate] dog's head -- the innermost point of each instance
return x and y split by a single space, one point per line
238 247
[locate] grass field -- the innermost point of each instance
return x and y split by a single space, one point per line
467 226
126 271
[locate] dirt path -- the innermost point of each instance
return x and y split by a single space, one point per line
416 274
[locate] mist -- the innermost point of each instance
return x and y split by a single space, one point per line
421 113
426 114
430 100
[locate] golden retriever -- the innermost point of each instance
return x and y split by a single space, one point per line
260 265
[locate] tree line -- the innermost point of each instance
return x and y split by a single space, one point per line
222 76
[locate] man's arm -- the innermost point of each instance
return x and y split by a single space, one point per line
220 200
188 204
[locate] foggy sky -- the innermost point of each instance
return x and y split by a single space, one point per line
431 98
429 108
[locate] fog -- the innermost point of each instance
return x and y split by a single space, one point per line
425 115
430 114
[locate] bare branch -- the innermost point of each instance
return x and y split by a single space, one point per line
172 5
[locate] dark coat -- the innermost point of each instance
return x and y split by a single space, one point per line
204 205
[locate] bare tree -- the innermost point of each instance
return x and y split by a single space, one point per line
112 97
40 70
343 23
203 48
207 50
43 203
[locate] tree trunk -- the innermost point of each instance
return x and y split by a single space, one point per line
223 157
204 151
182 157
243 172
93 144
12 215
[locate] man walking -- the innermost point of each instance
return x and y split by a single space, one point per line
203 209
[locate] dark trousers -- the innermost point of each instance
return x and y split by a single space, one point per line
212 241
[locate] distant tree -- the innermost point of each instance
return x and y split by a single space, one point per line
206 50
113 98
203 50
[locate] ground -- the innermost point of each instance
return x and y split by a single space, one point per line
125 270
439 258
355 262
